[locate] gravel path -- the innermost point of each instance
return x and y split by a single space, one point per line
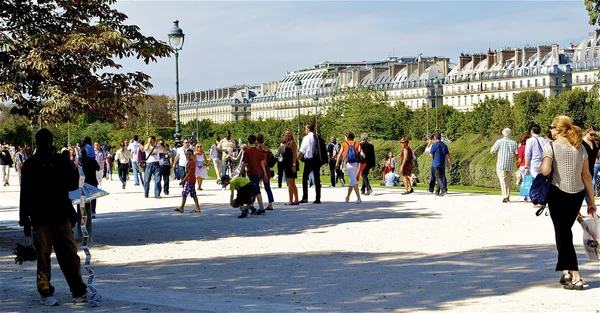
392 253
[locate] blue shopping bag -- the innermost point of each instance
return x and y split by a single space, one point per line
526 185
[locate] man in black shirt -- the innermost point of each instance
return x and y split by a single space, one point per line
332 158
47 179
369 151
5 163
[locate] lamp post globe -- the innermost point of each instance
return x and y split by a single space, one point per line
298 86
316 99
176 40
563 82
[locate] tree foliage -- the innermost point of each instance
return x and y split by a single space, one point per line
527 105
57 56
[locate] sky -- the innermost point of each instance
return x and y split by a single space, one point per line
249 42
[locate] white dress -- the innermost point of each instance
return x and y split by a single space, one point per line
201 172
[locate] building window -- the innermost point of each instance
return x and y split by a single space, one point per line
585 78
520 84
543 81
535 82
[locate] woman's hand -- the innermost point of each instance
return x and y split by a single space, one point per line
293 168
592 209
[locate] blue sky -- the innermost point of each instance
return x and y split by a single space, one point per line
250 42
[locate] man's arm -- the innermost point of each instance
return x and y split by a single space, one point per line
494 148
231 199
449 161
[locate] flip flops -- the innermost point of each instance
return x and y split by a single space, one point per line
178 210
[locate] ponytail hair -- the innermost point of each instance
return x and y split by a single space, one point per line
564 127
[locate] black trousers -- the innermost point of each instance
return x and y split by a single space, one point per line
311 165
165 172
366 185
431 180
332 171
440 178
280 168
564 208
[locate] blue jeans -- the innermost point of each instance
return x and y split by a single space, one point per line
136 172
595 174
165 171
152 169
431 180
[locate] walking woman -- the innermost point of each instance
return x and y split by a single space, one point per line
350 152
260 139
123 157
407 166
20 159
201 165
571 180
521 157
290 162
593 151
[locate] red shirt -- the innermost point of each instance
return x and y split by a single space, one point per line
253 157
521 154
191 168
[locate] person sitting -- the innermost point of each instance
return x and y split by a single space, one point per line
391 179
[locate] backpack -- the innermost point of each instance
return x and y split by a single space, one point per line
336 150
352 155
272 160
320 150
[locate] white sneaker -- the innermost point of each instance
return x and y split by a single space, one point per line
49 301
358 201
347 199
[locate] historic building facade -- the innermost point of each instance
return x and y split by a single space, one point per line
412 81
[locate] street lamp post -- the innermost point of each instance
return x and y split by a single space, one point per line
316 99
147 119
427 113
563 82
197 103
436 86
298 85
176 39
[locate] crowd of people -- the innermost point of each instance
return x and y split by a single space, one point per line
569 153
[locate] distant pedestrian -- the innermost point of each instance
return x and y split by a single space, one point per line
255 166
152 151
441 159
521 157
226 147
123 158
260 139
332 154
188 182
291 165
134 146
311 164
215 157
431 187
392 161
180 159
350 154
406 166
45 206
370 161
507 150
571 180
201 165
5 163
20 159
280 162
109 164
164 161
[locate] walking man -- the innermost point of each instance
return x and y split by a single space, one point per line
152 167
133 147
226 148
506 149
440 155
311 164
533 151
369 150
5 164
180 160
332 154
45 205
215 156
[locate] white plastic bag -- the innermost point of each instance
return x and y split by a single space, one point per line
591 236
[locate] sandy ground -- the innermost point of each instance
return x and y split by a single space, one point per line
392 253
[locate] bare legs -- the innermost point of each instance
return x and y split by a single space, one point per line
199 181
292 190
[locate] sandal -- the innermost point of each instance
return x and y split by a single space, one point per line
195 211
566 279
289 203
575 285
178 210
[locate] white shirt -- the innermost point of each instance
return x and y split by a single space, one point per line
182 161
390 179
307 145
152 158
534 149
133 148
214 154
123 156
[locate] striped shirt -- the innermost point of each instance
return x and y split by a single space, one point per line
506 149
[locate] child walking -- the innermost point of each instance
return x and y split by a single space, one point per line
188 182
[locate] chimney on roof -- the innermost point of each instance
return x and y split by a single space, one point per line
518 56
504 55
395 69
491 59
555 54
443 64
476 58
373 74
528 52
463 59
542 51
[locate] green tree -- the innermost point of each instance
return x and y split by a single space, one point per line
526 107
576 103
549 110
502 117
56 59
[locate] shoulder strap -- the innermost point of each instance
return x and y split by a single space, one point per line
152 150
